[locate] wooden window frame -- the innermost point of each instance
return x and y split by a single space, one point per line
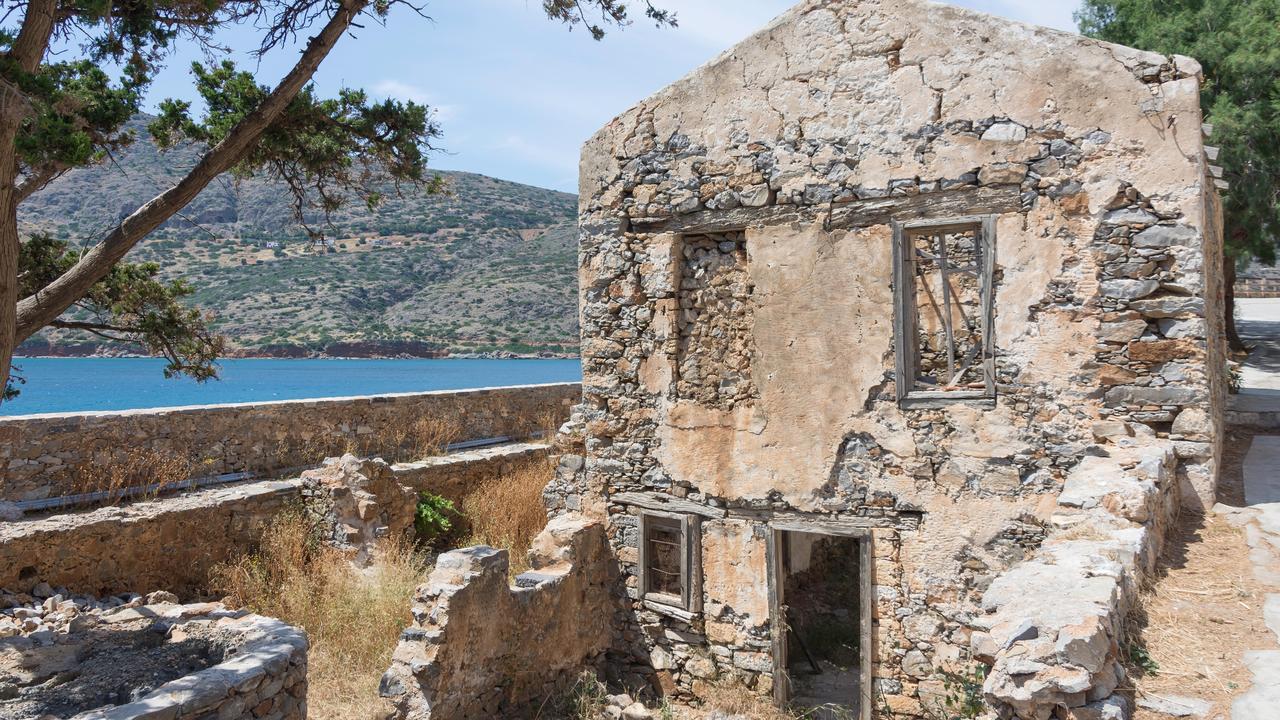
906 315
689 527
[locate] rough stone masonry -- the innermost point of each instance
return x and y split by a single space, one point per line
897 268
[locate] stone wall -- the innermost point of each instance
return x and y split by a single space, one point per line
452 476
481 648
172 543
1258 281
815 140
44 455
168 544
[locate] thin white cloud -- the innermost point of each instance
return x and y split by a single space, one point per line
720 25
1054 14
391 88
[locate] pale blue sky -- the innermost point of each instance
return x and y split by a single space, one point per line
517 94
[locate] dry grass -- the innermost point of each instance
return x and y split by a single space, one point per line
1203 612
352 617
507 511
130 468
732 698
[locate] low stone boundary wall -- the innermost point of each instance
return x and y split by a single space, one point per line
452 475
1253 410
167 544
172 543
458 661
44 455
1054 626
1258 287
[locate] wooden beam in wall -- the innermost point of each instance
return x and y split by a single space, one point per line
1211 152
855 213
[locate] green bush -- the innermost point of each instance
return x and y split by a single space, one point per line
434 517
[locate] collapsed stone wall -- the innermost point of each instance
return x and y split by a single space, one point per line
45 455
1053 628
172 543
481 648
810 139
357 503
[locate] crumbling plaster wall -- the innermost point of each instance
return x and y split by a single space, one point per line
888 108
481 648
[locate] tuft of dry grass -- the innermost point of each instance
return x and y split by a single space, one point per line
541 425
431 436
130 468
731 698
426 437
507 511
352 617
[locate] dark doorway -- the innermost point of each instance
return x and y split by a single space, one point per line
821 589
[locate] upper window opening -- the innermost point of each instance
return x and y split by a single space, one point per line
713 352
943 295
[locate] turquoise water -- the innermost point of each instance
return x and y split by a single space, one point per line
76 384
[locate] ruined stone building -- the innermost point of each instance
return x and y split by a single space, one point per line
872 304
902 348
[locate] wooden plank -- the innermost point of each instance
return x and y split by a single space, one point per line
670 611
851 214
947 322
642 556
988 247
1222 185
667 503
1211 152
934 403
1215 170
866 627
1206 129
904 374
796 521
777 624
693 553
826 525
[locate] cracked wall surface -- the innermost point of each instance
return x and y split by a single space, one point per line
811 138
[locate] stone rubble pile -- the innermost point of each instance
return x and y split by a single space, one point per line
45 610
134 656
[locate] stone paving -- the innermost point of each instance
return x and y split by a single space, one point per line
1259 323
1258 402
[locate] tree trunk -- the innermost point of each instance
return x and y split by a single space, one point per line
27 51
1234 343
43 307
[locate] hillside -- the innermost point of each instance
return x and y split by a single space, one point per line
488 267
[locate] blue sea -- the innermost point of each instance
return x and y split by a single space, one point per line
78 384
